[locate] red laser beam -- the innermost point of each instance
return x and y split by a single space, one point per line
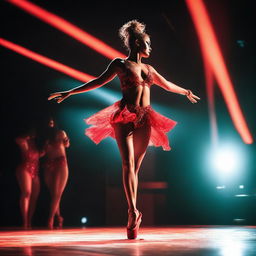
212 52
68 28
209 78
46 61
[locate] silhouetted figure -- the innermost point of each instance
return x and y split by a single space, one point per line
27 175
55 169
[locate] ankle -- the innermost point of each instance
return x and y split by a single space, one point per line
50 223
132 210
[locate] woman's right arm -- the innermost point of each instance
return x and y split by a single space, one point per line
108 75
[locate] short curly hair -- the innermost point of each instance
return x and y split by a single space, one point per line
131 31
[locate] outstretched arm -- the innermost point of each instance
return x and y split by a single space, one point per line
108 75
171 87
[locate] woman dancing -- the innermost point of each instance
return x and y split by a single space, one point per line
27 175
131 121
55 169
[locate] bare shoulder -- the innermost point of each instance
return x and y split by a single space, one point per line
61 134
116 65
21 139
117 62
151 68
152 71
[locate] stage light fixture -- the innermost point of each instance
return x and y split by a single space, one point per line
83 220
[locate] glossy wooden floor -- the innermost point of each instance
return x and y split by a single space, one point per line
188 240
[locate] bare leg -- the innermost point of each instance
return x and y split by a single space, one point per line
49 183
33 198
58 211
56 181
25 182
141 138
125 139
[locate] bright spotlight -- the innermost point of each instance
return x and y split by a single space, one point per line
226 159
83 220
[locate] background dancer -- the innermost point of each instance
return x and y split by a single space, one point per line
55 168
27 175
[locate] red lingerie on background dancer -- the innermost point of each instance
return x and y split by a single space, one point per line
27 175
131 121
55 169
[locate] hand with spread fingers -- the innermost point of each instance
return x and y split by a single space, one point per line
59 96
192 97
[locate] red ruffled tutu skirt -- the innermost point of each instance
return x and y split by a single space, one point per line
102 123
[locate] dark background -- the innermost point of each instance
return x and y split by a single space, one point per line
94 188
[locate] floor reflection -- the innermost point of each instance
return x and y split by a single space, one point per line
191 240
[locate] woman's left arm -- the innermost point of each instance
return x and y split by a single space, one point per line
171 87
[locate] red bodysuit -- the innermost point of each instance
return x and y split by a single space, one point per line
123 112
30 162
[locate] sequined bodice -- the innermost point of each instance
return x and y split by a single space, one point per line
130 79
30 159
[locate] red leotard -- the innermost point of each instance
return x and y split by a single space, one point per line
30 162
123 112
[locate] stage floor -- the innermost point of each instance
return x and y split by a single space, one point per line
178 240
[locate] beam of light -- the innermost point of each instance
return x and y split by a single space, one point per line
46 61
103 93
106 95
215 59
68 28
211 104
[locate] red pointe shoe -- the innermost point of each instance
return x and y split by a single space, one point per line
132 232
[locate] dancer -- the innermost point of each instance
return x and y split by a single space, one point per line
27 175
131 121
55 169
